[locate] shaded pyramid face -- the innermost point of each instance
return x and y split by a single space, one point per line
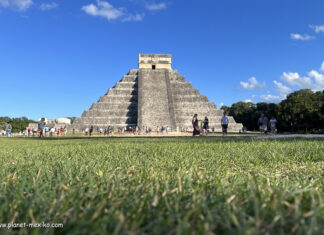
152 95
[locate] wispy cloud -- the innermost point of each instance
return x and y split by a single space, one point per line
156 6
271 98
48 6
282 89
314 80
252 84
136 17
247 101
21 5
322 66
106 10
294 79
305 37
318 28
103 9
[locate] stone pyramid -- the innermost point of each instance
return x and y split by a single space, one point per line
150 96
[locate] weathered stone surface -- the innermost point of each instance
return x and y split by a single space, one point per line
150 97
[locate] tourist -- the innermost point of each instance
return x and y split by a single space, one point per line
206 123
8 129
46 130
34 132
86 131
91 130
224 122
195 125
273 122
202 124
263 123
41 126
52 131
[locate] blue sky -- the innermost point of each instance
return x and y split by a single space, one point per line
58 57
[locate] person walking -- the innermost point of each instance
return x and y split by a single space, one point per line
273 123
91 130
224 122
41 126
206 126
195 125
263 123
8 129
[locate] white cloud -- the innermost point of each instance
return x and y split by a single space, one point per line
106 10
136 17
21 5
103 9
318 28
221 104
314 80
319 80
272 98
322 66
156 6
252 84
48 6
281 88
294 79
248 101
305 37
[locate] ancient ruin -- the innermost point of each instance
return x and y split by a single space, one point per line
150 96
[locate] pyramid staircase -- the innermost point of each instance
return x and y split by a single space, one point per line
151 98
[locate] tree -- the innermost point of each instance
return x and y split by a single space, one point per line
300 111
245 113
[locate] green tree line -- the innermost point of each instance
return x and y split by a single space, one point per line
301 111
17 124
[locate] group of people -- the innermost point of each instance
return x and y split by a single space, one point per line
200 127
43 130
134 130
265 125
204 125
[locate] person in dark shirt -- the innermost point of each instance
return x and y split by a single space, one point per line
206 125
195 125
91 130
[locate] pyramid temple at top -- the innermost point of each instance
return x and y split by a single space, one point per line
150 96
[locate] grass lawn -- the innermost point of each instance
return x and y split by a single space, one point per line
163 185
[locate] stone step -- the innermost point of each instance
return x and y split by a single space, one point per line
118 98
129 85
106 120
110 113
206 112
129 78
184 85
132 72
114 105
122 91
190 99
181 92
194 105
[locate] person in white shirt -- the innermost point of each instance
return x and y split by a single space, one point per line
273 122
224 122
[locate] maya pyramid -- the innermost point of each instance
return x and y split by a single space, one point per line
150 96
